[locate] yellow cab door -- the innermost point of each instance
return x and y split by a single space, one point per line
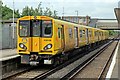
87 36
60 39
35 33
76 36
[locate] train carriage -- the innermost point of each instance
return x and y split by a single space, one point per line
43 39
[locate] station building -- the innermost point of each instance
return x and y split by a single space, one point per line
83 20
92 22
6 32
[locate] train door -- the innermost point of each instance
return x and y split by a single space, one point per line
87 36
35 33
98 35
61 37
76 36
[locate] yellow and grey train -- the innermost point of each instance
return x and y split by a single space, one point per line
44 40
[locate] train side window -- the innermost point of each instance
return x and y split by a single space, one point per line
95 33
90 33
59 31
81 33
70 32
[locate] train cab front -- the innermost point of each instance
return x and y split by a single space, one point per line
35 40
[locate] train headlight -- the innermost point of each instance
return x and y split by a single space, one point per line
48 46
21 45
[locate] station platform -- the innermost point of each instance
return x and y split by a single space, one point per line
7 54
114 69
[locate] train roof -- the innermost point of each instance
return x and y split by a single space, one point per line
76 24
56 19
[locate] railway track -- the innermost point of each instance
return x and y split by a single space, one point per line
28 73
67 72
56 70
38 73
17 72
71 75
41 73
103 69
72 72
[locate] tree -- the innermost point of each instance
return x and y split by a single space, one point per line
25 11
17 14
112 32
1 3
8 13
32 12
48 12
38 11
55 14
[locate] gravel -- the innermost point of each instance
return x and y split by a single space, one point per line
60 73
94 69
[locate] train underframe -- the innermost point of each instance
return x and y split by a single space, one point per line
34 58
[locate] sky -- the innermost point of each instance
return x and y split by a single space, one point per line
94 8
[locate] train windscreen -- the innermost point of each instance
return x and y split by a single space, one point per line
47 28
36 28
24 26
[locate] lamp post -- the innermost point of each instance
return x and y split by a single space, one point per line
77 12
13 28
77 16
63 13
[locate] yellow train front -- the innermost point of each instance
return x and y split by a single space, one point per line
44 40
36 40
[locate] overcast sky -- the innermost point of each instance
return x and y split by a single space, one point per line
93 8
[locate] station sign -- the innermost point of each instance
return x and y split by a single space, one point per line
13 24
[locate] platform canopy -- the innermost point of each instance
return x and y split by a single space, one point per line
117 13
